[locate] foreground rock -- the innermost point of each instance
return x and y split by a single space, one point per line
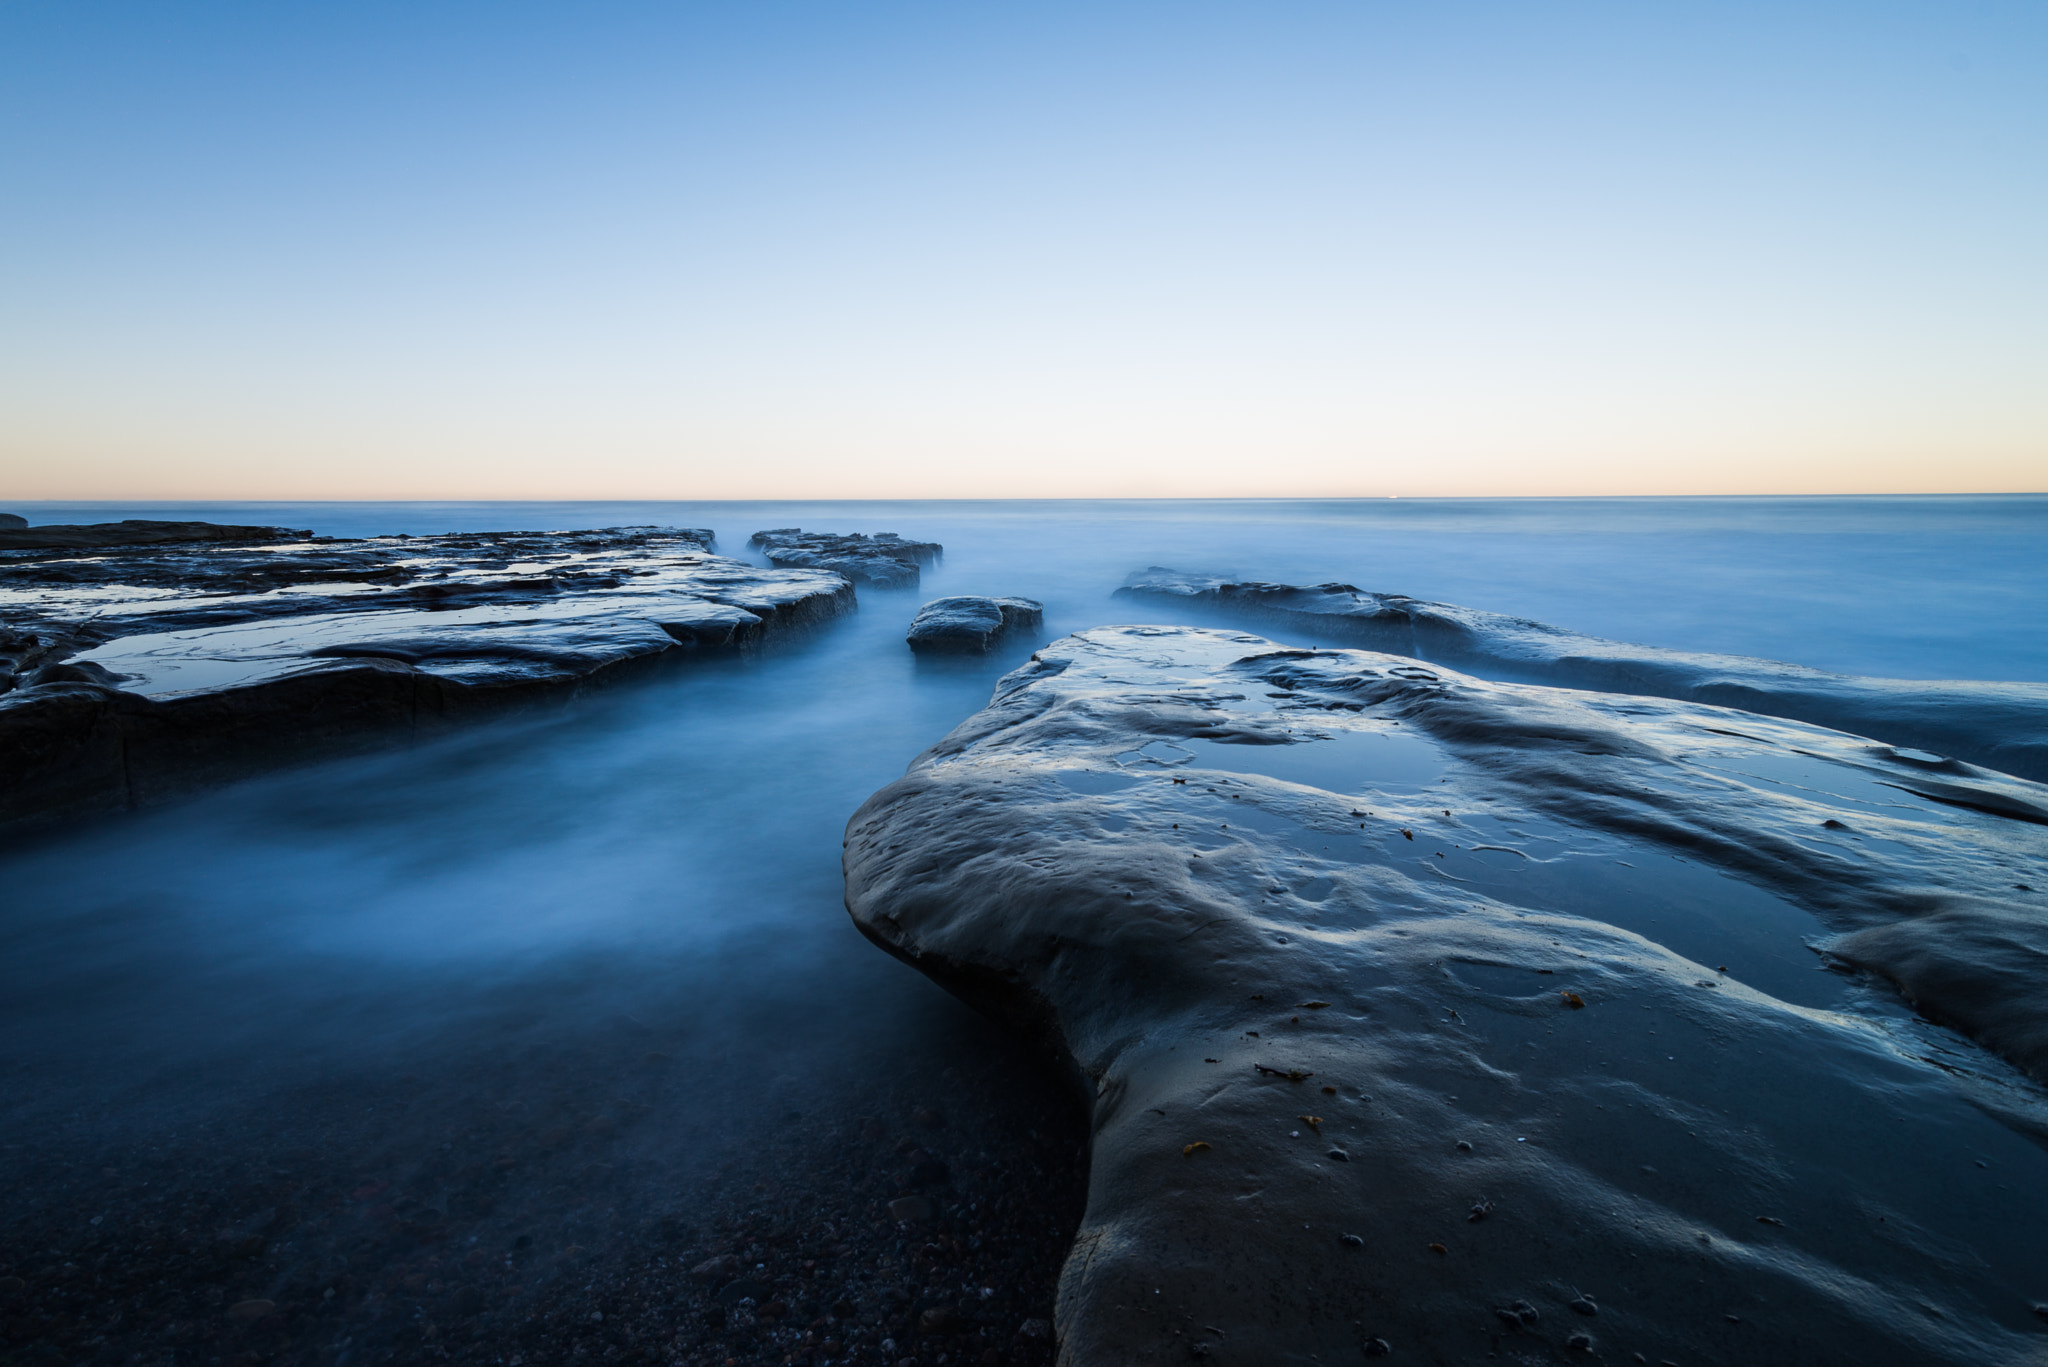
971 626
17 535
1437 1019
130 677
885 559
2003 725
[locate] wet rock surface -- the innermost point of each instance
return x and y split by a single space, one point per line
131 676
970 625
1595 994
17 535
885 559
2002 725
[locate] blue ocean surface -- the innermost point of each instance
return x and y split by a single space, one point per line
668 855
1904 587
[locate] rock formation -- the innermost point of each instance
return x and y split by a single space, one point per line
969 625
1439 1020
17 535
885 559
2002 725
132 676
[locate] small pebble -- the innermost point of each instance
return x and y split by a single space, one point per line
1354 1241
1340 1155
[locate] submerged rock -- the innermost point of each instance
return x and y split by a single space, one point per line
1557 958
131 677
969 625
2003 725
17 535
885 559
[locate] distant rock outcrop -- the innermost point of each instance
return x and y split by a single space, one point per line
17 535
2003 725
885 559
127 678
1435 1019
969 625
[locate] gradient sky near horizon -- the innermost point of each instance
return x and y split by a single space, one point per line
800 249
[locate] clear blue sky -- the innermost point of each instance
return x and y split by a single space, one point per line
806 249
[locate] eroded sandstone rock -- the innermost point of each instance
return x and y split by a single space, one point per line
2003 725
885 559
130 677
1437 1019
968 625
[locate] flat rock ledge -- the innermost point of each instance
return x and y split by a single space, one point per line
132 677
884 560
1441 1020
2001 725
968 625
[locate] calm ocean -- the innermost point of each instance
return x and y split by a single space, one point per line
668 855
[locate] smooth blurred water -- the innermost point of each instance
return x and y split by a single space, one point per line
668 855
1909 587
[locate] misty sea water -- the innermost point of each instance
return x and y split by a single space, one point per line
656 829
661 862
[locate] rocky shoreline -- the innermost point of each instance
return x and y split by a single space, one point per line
133 675
1427 1016
1410 1014
2001 725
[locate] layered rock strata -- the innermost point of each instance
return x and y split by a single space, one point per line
885 559
129 677
1440 1020
2002 725
971 626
